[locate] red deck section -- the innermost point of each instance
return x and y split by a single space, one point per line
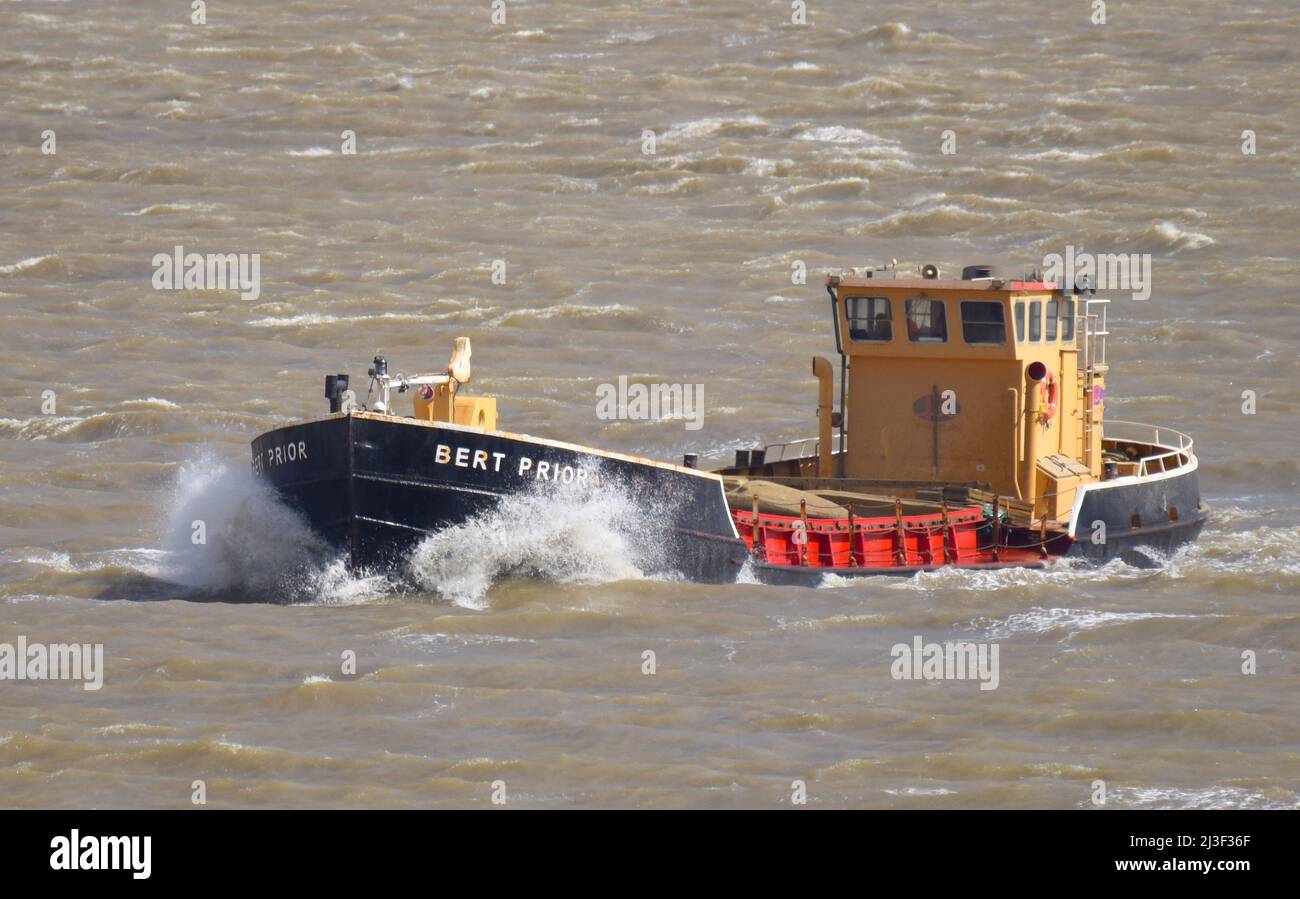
912 541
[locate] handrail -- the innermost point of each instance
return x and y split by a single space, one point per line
1129 431
1154 436
778 452
781 452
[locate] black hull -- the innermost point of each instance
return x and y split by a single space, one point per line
1145 518
375 486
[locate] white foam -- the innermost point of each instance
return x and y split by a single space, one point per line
153 402
172 207
59 561
1247 552
572 310
669 187
922 791
324 318
43 427
707 127
746 575
253 543
440 640
23 265
1057 155
1041 621
890 30
764 167
840 134
631 37
1198 798
334 584
307 318
1178 239
570 535
144 560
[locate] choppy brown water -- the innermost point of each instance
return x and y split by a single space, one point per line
523 142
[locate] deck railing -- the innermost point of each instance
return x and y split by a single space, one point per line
1168 443
807 448
804 448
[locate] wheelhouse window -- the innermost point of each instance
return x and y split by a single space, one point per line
1020 322
926 322
983 322
1053 318
1067 320
870 318
1036 321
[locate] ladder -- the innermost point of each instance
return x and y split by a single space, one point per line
1085 401
1091 328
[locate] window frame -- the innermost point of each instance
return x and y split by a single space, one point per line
852 303
908 319
1035 321
1020 321
1067 320
1001 322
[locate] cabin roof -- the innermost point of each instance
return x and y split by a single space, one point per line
966 286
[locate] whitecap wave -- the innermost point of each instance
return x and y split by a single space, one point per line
569 535
23 265
1213 797
713 126
1072 621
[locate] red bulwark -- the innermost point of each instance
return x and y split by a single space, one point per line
923 541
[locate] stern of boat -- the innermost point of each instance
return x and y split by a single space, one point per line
1150 497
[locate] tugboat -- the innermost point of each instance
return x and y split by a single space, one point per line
969 433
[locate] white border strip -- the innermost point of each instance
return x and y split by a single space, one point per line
509 435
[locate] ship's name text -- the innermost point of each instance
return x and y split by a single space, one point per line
526 467
278 455
458 456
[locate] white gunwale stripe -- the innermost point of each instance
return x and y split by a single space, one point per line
509 435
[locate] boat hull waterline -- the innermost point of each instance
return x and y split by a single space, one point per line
374 486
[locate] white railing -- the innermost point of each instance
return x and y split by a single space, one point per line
1091 331
796 449
1167 441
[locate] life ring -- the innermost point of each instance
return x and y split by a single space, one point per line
1049 388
